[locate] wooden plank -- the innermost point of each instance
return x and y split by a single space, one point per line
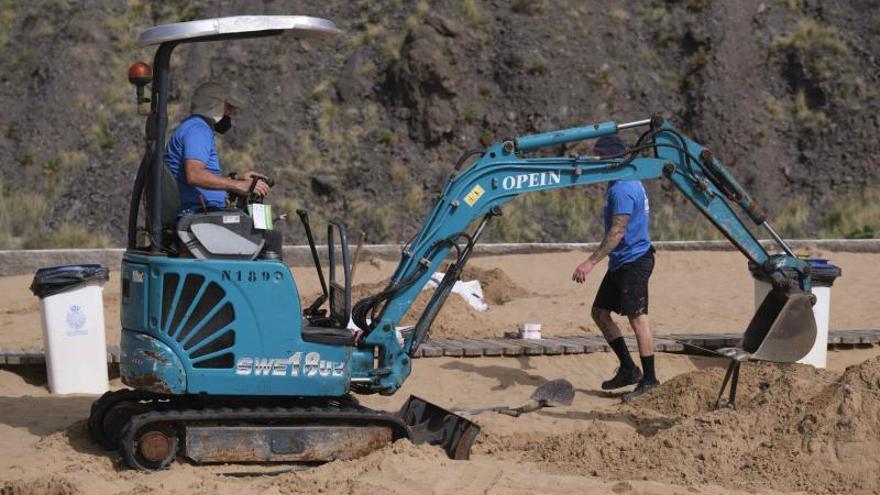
551 348
451 349
529 347
507 348
576 341
667 345
13 357
590 343
489 349
32 355
470 349
567 347
429 350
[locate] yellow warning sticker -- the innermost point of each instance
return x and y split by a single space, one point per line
474 196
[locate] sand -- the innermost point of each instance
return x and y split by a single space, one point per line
796 429
597 445
690 292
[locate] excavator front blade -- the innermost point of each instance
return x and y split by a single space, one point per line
783 329
430 423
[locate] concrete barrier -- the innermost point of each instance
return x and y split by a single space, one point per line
22 262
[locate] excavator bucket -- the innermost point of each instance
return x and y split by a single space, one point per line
783 329
430 423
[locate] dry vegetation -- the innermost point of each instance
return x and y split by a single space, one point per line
363 154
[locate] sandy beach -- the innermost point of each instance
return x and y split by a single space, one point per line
797 430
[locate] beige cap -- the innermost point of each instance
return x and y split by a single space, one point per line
209 97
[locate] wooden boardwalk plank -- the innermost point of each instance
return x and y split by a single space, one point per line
429 350
590 343
574 341
667 345
449 346
489 349
470 348
567 347
13 357
507 348
551 348
551 345
529 347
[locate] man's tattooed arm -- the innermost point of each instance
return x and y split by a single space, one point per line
612 238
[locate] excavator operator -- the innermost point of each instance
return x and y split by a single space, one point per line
191 156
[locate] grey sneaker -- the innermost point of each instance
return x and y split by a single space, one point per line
624 377
642 388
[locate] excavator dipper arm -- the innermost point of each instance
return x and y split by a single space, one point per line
503 172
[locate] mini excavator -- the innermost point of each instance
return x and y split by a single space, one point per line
225 364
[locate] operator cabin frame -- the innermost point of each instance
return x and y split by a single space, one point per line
168 37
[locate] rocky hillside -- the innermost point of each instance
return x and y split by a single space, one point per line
367 126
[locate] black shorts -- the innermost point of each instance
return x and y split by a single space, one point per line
625 290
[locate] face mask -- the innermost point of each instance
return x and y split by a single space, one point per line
223 124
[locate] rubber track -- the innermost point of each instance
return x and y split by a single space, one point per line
331 413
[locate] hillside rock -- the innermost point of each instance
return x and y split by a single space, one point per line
366 127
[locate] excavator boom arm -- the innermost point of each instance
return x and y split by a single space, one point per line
504 172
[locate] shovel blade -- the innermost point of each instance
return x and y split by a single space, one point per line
783 329
554 393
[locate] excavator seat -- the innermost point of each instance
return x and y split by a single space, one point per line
220 234
223 234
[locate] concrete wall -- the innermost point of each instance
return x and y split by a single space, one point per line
26 262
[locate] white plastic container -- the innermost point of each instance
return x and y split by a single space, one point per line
824 275
74 338
818 355
530 331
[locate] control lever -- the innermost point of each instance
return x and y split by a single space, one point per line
253 197
241 202
312 310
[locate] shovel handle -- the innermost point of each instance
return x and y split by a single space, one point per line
509 412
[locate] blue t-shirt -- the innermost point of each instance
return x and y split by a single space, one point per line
627 197
194 140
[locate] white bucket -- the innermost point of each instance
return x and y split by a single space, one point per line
818 355
531 331
73 336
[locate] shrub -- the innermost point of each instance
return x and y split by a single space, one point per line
854 214
470 10
67 236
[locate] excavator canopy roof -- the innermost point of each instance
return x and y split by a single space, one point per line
242 26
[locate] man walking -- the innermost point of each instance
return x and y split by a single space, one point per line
624 290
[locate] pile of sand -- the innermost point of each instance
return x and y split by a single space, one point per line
795 428
498 287
457 318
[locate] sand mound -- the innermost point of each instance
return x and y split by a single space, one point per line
498 287
457 318
795 429
50 485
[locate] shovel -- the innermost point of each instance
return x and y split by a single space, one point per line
553 393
